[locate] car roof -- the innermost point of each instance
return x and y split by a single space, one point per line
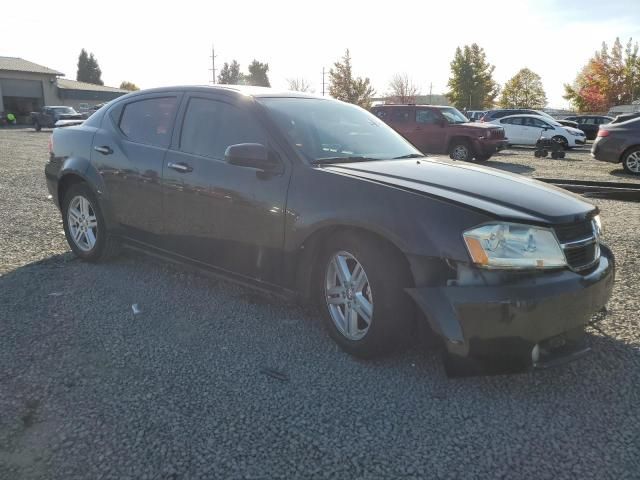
541 117
404 105
246 90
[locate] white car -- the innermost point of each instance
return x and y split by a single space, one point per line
527 129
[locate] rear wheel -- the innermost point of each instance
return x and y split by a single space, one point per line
361 283
460 150
84 225
631 161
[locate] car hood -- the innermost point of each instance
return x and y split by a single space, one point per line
497 193
476 127
574 130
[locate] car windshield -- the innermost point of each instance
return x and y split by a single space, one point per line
453 115
64 110
330 131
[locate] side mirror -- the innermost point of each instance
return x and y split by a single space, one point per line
250 155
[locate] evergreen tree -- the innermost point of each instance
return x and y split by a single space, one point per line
471 86
345 87
88 69
258 74
230 74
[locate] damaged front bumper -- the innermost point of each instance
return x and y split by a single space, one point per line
537 318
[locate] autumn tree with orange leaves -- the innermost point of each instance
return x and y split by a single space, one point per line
609 78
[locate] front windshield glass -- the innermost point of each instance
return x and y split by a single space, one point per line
453 115
64 110
328 129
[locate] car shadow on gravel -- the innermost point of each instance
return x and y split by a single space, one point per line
620 173
510 167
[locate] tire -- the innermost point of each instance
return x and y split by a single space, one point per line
89 225
561 140
460 150
631 161
537 154
37 126
391 320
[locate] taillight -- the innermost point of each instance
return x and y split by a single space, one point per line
603 133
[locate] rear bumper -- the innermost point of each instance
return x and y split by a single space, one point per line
507 316
606 149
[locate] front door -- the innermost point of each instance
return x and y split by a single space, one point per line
128 152
429 131
223 215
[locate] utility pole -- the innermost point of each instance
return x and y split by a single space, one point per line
323 81
430 90
213 64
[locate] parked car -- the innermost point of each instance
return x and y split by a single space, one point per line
48 117
474 115
318 198
527 130
625 116
590 124
567 123
492 115
434 129
619 142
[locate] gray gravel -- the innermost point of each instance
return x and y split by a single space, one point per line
90 390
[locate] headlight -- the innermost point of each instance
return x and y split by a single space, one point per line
513 246
577 134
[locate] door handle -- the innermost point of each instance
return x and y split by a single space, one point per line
180 167
105 150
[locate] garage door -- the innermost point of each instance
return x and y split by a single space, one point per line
21 88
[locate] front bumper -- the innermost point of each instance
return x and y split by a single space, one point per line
507 315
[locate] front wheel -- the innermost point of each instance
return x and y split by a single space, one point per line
562 141
37 126
84 225
631 161
361 282
460 150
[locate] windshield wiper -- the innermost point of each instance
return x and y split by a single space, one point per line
353 159
411 155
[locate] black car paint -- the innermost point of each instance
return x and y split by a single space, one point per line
266 228
590 129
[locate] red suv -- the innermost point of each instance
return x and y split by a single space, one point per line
435 129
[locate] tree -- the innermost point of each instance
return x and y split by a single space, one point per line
132 87
88 69
402 90
258 74
230 74
299 85
523 90
347 88
609 78
471 85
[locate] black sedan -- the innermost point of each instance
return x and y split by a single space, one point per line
320 199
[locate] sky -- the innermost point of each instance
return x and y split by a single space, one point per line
169 43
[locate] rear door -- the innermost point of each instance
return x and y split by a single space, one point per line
128 151
512 129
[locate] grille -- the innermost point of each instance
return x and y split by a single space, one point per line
581 256
497 133
574 231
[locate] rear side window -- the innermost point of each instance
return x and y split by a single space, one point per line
512 121
400 115
426 117
149 121
211 126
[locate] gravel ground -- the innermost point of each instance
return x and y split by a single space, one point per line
90 390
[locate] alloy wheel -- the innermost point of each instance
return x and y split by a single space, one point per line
348 295
83 223
632 161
